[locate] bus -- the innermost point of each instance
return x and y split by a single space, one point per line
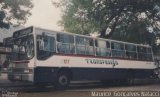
42 57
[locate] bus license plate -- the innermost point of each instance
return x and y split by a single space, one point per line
17 77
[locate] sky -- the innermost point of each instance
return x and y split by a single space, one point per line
44 15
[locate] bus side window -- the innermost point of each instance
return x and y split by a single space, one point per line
84 45
131 51
89 46
45 46
149 54
108 44
65 44
118 50
142 53
80 45
102 48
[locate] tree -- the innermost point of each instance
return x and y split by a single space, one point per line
75 18
126 20
14 12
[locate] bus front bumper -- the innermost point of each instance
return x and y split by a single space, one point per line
20 77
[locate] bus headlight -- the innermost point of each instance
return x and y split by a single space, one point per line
28 70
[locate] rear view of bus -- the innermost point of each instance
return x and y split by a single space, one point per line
22 57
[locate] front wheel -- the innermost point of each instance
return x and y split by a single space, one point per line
62 81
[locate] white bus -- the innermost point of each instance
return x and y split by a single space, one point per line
44 57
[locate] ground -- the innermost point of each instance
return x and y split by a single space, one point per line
142 88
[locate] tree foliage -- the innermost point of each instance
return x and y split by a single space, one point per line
75 17
14 12
127 20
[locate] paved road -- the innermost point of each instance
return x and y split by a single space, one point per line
83 89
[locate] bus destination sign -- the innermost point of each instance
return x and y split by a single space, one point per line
23 32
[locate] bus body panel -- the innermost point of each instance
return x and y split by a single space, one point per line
88 68
93 62
48 74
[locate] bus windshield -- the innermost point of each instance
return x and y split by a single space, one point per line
23 48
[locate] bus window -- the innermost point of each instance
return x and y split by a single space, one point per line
65 44
84 45
142 49
130 47
131 51
118 50
107 44
149 50
102 48
84 41
142 53
64 38
149 57
117 46
149 54
118 53
101 43
45 46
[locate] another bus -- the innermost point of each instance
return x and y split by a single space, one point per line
46 57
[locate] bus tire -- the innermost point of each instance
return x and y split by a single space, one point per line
62 80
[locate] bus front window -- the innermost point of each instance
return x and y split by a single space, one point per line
23 48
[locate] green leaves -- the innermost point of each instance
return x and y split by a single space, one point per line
15 12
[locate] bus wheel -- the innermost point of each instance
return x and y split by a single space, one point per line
62 81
